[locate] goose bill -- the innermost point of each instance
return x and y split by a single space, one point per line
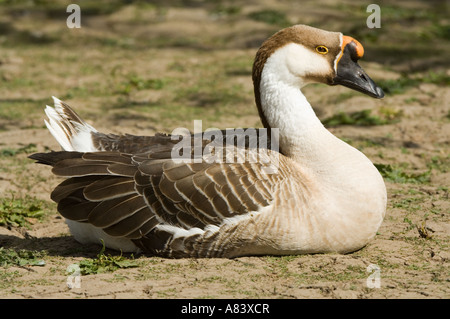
351 75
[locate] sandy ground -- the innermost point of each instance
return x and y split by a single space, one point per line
193 45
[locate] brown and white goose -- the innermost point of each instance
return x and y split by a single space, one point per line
325 196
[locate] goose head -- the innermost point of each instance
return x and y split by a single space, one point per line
304 54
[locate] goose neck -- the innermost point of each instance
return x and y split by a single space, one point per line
284 107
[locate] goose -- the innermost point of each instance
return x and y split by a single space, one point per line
130 193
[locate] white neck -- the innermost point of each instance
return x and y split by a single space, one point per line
302 135
286 108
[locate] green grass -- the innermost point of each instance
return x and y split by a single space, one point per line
137 83
10 152
20 212
411 204
363 118
105 263
8 279
272 17
222 10
239 66
396 12
17 110
202 95
405 82
436 30
344 96
441 164
10 257
397 174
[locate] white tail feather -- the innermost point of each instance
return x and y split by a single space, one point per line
71 132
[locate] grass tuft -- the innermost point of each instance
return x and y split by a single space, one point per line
27 149
105 263
22 257
363 118
398 175
137 83
21 212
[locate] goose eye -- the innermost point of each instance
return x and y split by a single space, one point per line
322 49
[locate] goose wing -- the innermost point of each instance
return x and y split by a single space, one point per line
132 195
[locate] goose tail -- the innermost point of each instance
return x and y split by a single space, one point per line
68 128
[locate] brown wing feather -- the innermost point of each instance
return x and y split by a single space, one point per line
130 226
110 212
76 207
129 195
80 167
109 188
72 184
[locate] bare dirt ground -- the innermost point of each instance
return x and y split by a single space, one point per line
141 68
